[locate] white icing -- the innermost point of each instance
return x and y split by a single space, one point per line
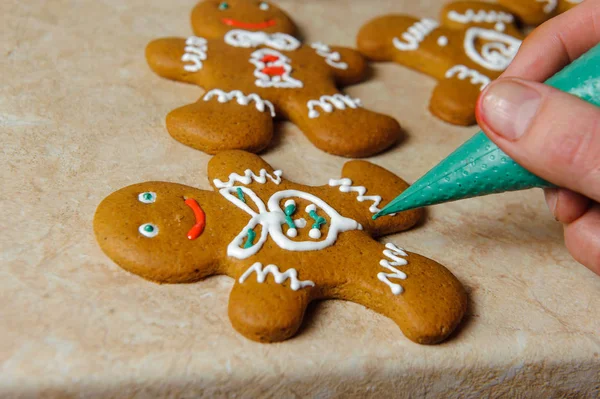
575 1
332 58
442 41
142 198
195 49
393 253
248 39
301 223
497 52
248 177
415 35
329 103
550 5
261 276
263 6
462 73
265 80
314 233
500 26
292 233
481 16
149 234
346 186
310 208
289 202
273 219
242 99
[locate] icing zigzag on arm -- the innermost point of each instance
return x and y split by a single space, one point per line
248 177
415 35
462 73
261 276
196 49
328 103
346 186
332 58
241 99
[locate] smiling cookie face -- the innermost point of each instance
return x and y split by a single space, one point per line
160 231
214 18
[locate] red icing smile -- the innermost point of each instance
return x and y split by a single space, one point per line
248 25
198 228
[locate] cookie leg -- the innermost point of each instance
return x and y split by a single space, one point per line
420 295
337 123
222 121
455 97
268 304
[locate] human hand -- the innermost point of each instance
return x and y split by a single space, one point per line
553 134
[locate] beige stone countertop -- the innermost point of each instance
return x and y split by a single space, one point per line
81 115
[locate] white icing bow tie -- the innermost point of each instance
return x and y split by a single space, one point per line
271 218
248 39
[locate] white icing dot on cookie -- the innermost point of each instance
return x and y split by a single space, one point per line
500 26
442 41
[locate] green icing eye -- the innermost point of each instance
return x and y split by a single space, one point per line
223 5
263 6
148 230
147 198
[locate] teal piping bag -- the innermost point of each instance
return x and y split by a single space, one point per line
479 167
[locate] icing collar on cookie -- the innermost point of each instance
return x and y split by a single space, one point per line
248 25
198 228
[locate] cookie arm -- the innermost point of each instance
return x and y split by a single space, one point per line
364 189
347 65
178 58
375 38
455 97
422 297
224 120
267 302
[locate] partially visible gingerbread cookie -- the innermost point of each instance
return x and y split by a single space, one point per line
472 45
535 12
285 244
254 69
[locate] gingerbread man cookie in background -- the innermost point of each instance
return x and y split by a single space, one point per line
472 45
285 244
535 12
253 68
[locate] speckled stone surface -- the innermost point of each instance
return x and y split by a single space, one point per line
81 115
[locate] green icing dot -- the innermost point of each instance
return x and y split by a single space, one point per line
147 196
223 6
149 228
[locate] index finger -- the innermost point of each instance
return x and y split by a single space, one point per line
557 43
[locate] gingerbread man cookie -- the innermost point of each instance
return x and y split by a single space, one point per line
285 244
245 55
473 44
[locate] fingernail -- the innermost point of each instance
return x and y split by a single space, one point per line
508 108
552 200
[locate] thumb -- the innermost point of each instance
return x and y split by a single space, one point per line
553 134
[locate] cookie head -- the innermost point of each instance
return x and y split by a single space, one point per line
212 19
158 231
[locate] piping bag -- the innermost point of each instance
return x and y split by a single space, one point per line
479 167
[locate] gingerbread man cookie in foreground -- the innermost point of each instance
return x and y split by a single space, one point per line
253 69
285 244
